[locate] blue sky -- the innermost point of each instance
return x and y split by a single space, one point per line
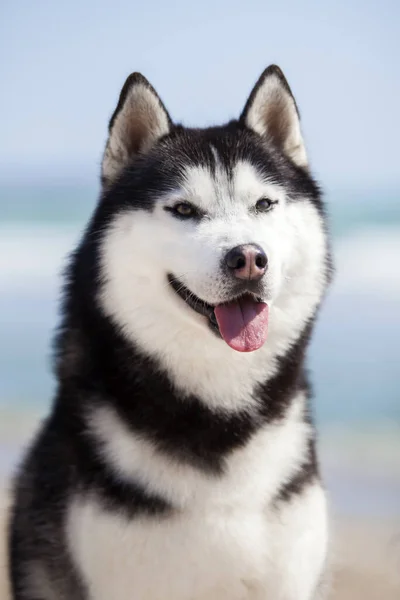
63 64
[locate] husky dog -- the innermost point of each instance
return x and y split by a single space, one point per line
178 461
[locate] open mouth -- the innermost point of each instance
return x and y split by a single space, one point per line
242 322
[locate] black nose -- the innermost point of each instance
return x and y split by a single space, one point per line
248 261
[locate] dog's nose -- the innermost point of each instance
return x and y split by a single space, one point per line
248 261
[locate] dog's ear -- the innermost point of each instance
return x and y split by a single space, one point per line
139 120
271 111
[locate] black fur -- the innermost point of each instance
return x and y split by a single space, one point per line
307 472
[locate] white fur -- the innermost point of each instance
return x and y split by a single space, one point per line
225 552
299 546
140 248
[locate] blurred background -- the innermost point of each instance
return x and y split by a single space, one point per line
62 68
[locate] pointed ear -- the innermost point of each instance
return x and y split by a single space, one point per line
271 111
139 120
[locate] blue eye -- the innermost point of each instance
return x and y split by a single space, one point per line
264 204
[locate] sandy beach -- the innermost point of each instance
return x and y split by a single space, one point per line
365 559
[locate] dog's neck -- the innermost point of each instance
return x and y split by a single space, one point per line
199 429
192 364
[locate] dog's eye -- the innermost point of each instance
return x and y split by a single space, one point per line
264 204
183 210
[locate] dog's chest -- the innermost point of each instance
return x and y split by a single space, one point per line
217 555
217 545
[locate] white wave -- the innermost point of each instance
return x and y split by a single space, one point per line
367 262
33 256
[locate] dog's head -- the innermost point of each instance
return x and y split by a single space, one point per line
210 230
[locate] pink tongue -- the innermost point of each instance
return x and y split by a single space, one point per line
243 323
